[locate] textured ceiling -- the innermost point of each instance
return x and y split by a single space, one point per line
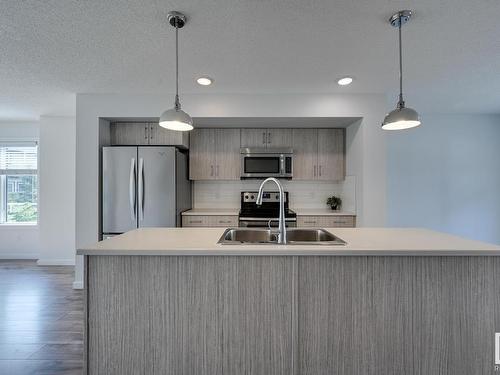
52 49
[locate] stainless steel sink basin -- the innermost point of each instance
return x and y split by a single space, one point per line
295 236
235 235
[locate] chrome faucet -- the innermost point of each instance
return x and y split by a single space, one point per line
281 222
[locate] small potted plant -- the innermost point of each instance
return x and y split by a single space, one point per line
334 202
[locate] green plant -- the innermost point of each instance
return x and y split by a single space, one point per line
334 202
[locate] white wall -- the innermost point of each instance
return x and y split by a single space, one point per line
367 142
445 175
57 190
19 241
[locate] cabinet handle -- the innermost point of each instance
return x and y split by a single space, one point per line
309 222
195 221
269 138
264 138
146 132
211 170
314 173
320 170
224 221
151 133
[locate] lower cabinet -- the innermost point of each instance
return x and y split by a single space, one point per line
323 221
209 221
327 221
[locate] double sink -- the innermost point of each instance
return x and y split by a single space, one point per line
295 236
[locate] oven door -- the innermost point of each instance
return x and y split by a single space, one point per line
264 222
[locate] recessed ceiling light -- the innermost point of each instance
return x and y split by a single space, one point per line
345 81
205 81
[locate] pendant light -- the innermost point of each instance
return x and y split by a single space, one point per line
176 118
402 117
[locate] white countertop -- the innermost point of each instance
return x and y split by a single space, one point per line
360 241
212 212
320 212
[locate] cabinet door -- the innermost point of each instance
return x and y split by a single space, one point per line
227 154
331 154
279 138
165 137
202 154
254 138
129 133
305 154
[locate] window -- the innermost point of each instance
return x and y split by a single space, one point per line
18 182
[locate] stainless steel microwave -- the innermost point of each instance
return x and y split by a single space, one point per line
266 162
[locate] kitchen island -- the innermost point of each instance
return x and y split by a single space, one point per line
391 301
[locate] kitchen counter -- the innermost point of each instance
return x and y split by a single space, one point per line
321 212
173 301
212 212
360 241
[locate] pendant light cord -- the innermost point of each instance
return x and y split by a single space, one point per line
177 102
401 102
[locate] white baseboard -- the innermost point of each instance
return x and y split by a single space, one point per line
14 256
77 284
55 262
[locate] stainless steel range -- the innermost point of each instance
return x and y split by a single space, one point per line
266 214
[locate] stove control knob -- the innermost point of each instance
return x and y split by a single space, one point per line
246 196
252 197
277 196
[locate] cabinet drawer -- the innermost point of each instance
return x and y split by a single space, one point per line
223 221
308 221
337 221
195 221
326 221
209 221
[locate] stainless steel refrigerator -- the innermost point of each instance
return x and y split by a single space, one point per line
143 187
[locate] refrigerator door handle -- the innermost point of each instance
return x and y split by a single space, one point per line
140 188
131 189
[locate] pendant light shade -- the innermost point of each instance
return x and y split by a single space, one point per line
175 118
402 117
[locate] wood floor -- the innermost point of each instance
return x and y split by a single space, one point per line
41 320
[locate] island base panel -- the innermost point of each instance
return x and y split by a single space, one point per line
292 315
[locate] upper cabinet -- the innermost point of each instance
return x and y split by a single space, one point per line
202 154
146 133
214 154
331 159
319 154
266 138
305 154
129 133
162 136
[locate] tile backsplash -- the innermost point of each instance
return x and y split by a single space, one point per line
303 194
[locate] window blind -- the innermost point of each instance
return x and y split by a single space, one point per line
18 158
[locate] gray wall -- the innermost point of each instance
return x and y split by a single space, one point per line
445 175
